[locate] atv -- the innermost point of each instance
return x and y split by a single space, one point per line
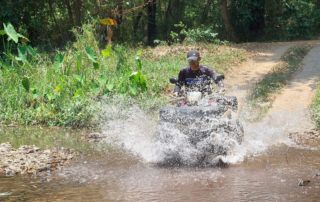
202 121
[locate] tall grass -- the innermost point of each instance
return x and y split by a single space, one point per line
62 90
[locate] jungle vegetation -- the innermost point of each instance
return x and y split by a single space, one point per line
60 57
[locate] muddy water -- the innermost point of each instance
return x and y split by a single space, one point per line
105 173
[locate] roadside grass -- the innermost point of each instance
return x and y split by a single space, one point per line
67 96
265 91
315 107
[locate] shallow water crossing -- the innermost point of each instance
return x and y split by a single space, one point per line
121 169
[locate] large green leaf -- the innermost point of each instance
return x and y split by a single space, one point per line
79 58
49 96
22 50
110 84
32 51
102 80
2 32
26 83
91 54
11 32
107 51
143 83
95 88
35 94
96 65
133 88
58 61
135 76
21 36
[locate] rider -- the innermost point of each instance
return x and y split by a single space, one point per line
194 71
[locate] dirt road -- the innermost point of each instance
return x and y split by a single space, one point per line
291 106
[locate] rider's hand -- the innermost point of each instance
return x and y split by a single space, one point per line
175 94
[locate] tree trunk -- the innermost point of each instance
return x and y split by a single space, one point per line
258 24
52 13
168 9
136 22
206 11
55 21
119 14
67 2
151 22
231 32
77 9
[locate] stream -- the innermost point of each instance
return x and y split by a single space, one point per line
122 170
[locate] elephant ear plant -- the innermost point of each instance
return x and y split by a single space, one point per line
36 89
13 36
130 82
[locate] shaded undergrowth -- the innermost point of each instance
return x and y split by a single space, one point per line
265 91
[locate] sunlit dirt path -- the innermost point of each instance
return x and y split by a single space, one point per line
293 103
297 96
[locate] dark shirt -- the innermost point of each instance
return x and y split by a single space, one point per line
186 73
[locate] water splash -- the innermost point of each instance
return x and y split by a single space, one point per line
131 128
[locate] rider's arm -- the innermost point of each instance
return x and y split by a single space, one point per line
180 82
213 75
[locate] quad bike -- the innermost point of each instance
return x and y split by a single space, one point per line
203 121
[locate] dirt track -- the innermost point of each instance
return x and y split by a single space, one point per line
293 103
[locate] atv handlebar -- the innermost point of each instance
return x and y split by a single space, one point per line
220 77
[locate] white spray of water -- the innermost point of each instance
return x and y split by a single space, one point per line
132 129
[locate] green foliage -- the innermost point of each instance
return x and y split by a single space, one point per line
96 65
58 61
12 34
302 19
79 60
64 91
315 107
22 53
35 93
26 83
102 80
107 51
32 51
47 23
200 34
91 54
